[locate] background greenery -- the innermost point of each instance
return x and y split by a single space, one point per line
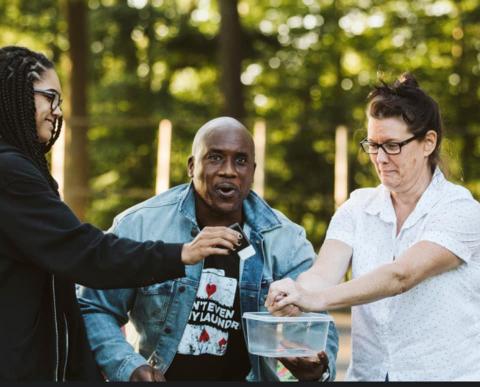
306 67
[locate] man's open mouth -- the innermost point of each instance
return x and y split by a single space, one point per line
226 190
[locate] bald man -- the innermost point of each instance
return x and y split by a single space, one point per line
191 328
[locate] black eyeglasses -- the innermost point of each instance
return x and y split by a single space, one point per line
390 148
52 95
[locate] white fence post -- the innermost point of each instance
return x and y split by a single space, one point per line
341 165
162 181
259 136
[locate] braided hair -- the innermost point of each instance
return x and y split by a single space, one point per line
406 100
19 69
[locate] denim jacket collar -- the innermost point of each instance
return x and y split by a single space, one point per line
258 214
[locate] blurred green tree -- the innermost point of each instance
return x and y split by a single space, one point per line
304 66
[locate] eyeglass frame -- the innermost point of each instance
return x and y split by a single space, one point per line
51 94
400 144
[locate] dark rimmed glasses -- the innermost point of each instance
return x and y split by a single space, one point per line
53 96
390 148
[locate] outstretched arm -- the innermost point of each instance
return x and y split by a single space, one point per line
421 261
60 244
328 270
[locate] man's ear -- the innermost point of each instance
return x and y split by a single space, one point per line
190 166
430 142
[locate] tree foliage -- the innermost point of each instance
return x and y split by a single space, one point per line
307 68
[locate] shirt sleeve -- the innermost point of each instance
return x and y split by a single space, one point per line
342 224
456 227
41 230
104 313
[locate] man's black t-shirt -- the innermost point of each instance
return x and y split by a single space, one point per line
213 346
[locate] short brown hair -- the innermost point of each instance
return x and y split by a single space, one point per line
406 100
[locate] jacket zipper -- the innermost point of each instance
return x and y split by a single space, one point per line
57 350
66 348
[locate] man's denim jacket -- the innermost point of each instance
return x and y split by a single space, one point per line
160 312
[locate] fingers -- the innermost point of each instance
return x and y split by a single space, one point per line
278 290
305 362
291 310
223 233
307 368
323 358
279 301
281 294
273 297
210 241
217 236
144 373
217 242
289 362
283 302
288 310
285 306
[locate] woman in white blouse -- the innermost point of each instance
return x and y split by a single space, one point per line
414 246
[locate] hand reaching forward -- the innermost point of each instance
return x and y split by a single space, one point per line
210 241
146 373
285 298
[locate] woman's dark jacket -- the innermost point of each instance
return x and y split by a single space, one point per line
44 251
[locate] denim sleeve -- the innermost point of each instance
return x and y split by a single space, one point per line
293 254
332 350
104 313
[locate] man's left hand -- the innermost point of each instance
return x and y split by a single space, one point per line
307 368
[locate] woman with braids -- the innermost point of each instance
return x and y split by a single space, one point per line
45 249
414 246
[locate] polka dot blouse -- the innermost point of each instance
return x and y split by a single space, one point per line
431 332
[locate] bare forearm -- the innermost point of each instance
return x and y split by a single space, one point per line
315 281
386 281
419 262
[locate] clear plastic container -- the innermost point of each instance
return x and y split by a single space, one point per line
298 336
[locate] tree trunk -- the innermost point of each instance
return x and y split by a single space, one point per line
76 155
230 50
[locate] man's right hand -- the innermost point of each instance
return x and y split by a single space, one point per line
146 373
210 241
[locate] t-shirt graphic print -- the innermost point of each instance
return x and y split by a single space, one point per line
212 315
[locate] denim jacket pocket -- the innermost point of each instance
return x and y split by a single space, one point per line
152 302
